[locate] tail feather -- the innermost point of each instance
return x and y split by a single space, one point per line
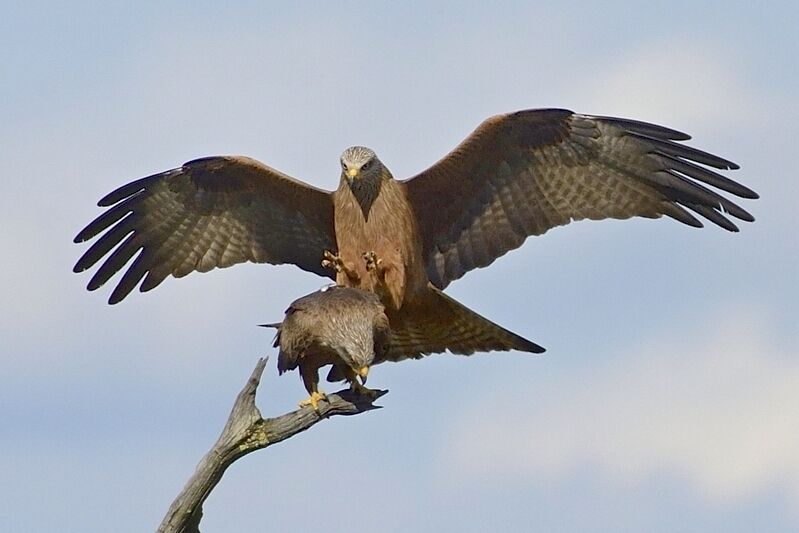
276 340
438 323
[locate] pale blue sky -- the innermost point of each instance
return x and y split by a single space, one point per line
668 398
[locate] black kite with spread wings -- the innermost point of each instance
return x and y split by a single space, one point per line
516 175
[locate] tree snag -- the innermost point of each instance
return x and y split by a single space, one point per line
246 431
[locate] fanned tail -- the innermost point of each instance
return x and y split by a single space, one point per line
437 323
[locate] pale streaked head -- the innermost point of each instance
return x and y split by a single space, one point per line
359 163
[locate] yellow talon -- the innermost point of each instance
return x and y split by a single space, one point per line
313 400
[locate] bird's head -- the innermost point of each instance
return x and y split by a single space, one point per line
360 165
361 353
363 172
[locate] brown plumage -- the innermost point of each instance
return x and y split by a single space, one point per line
516 175
339 326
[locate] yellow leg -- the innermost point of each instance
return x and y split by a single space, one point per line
310 377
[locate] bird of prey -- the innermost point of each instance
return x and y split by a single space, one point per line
516 175
339 326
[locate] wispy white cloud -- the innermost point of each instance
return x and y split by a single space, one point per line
674 82
716 407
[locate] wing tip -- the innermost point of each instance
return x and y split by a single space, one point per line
110 199
117 296
749 194
85 235
134 187
533 348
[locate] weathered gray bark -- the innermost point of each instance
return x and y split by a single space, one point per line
245 432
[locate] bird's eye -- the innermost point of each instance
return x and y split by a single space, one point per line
367 165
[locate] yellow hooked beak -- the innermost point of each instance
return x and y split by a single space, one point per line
363 372
352 172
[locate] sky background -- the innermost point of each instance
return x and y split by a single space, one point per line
668 399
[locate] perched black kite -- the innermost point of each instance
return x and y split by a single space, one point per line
339 326
516 175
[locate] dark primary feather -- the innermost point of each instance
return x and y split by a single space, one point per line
210 213
524 173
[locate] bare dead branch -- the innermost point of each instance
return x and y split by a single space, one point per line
245 432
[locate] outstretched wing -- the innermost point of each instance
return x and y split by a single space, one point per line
523 173
211 212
